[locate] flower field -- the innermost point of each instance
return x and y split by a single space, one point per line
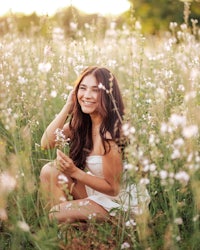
160 81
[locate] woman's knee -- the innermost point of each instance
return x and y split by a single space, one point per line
48 171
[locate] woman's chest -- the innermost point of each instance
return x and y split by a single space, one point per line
98 148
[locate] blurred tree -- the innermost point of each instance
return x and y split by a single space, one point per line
73 20
155 15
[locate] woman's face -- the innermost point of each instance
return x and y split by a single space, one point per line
88 95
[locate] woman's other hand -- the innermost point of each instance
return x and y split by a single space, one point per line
66 165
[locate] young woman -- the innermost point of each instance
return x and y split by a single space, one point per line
93 168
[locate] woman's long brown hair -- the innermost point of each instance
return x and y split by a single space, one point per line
111 109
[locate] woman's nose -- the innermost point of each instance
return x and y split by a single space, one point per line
87 93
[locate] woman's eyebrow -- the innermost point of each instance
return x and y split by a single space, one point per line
85 85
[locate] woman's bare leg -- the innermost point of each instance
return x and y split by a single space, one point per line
78 210
51 190
55 198
55 186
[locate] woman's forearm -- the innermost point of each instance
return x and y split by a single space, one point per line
48 138
97 183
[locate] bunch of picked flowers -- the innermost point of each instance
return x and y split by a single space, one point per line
62 142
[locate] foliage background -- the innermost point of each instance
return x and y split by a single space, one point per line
159 76
153 15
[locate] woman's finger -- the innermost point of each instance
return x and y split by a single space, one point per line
62 155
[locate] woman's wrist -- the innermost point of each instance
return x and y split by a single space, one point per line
78 174
67 109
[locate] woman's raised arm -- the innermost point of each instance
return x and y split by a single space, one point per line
48 138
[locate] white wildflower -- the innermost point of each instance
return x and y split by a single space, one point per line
68 206
183 26
90 216
138 210
190 157
144 181
130 223
194 72
62 199
140 152
163 174
84 203
23 226
101 86
63 178
56 208
175 154
189 96
182 176
180 35
22 80
125 245
197 158
113 213
127 129
70 60
61 140
164 127
128 166
152 167
181 87
44 67
178 238
7 182
78 69
168 73
146 168
7 84
53 93
73 26
138 25
145 161
160 92
69 87
178 142
151 139
195 218
132 130
190 131
173 25
177 120
178 221
47 50
58 34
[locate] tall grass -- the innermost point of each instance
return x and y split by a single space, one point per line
160 81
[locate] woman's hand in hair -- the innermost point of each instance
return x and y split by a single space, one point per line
70 101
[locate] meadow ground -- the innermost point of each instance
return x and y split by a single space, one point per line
160 81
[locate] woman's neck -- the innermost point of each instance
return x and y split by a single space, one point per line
96 124
96 120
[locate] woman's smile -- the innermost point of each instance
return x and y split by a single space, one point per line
88 103
88 94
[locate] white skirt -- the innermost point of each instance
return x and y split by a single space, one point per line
135 198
